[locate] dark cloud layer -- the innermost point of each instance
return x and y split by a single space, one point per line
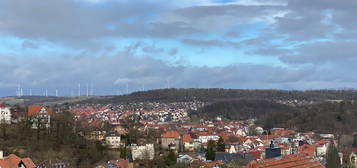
313 40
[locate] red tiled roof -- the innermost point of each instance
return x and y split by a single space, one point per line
35 109
308 149
171 134
290 161
3 105
187 138
12 161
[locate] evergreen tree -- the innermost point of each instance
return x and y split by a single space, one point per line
221 147
123 152
211 151
332 157
171 158
354 144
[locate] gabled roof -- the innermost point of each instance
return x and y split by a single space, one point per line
308 149
171 134
290 161
3 105
12 161
227 157
187 138
35 109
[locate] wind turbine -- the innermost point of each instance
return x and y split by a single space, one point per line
79 90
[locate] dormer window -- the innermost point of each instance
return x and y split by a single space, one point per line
21 165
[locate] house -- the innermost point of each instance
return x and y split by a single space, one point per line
308 149
185 159
171 140
40 116
204 137
241 132
120 130
145 152
5 113
259 130
112 139
96 135
349 158
188 143
231 148
122 163
13 161
228 157
321 147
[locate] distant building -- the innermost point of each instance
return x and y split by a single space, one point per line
40 116
96 135
272 151
349 158
228 157
188 143
113 140
171 140
185 159
119 164
13 161
146 152
5 114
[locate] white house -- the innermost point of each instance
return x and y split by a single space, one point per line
185 159
321 147
204 138
5 114
113 140
143 152
40 116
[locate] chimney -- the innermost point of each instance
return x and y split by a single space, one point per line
1 154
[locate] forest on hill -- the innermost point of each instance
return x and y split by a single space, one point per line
213 95
323 110
324 117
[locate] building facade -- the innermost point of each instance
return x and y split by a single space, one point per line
40 116
5 114
145 152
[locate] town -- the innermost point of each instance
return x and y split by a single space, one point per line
153 134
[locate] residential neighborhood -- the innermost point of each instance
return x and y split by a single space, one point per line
141 136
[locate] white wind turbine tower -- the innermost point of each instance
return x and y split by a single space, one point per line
168 83
142 87
72 92
21 92
91 90
18 92
30 91
87 87
56 92
127 88
79 90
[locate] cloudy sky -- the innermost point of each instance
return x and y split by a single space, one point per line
109 44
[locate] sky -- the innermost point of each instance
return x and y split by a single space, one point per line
112 45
